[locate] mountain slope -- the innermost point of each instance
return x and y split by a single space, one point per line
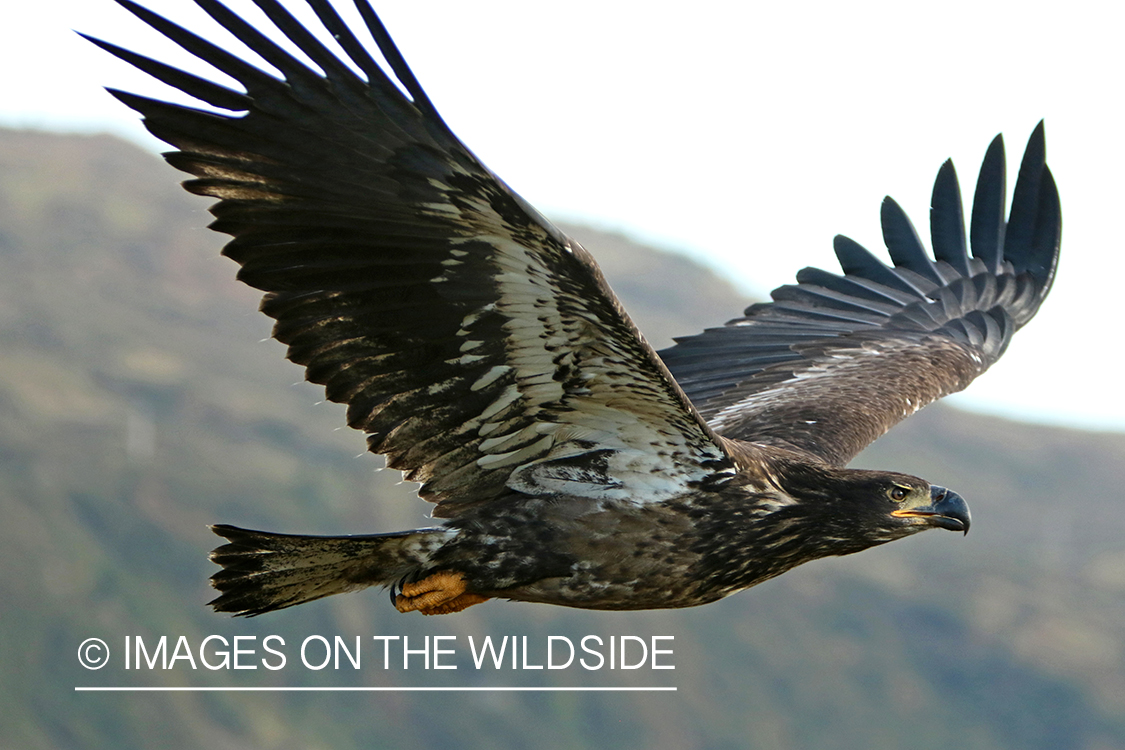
138 403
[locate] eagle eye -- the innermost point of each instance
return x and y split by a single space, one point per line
898 493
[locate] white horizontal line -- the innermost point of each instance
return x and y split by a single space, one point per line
366 689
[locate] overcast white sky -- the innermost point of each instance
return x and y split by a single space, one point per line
745 134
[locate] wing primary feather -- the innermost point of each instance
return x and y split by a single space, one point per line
200 88
1025 201
293 69
160 116
346 39
988 226
947 220
397 62
1048 233
903 243
1035 223
246 74
857 260
309 44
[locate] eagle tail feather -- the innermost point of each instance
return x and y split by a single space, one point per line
263 571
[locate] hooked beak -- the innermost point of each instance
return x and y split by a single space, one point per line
946 510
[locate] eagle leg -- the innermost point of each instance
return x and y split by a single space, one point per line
441 593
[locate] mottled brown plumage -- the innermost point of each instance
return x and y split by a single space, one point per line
483 354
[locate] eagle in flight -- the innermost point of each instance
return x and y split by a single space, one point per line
483 354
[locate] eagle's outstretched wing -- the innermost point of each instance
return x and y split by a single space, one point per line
476 344
835 361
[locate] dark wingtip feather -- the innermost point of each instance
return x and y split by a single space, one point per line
395 59
346 39
903 243
947 220
856 260
1020 236
988 223
307 42
202 89
1043 255
132 101
246 74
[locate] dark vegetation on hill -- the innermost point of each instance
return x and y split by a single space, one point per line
138 403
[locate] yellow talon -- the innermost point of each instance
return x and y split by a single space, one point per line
441 593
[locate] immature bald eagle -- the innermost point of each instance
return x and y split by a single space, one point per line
484 355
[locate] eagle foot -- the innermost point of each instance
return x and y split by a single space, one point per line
441 593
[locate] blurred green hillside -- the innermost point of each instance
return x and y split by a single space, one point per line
139 401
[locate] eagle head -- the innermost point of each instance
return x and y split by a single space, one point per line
848 510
